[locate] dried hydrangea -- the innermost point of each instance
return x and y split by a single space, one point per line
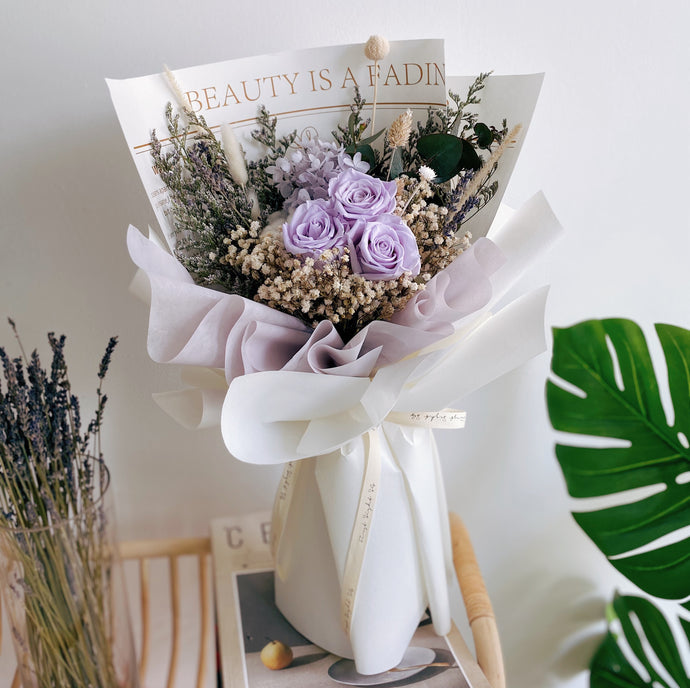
303 174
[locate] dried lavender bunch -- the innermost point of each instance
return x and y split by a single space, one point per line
52 521
48 467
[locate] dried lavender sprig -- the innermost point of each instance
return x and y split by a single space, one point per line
472 189
206 201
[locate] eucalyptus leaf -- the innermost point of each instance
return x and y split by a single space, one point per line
443 153
485 137
371 139
612 393
647 634
351 122
470 159
396 166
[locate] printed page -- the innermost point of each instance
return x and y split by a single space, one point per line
248 621
237 543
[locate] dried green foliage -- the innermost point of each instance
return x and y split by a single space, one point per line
268 196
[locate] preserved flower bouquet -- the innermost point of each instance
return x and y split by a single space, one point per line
334 305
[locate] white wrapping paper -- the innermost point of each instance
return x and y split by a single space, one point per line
361 531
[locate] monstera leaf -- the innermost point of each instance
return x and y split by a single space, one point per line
637 624
605 387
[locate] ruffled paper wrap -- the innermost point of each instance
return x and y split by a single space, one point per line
360 528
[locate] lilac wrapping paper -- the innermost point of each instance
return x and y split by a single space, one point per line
299 394
194 325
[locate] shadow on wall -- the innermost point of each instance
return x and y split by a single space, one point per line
553 628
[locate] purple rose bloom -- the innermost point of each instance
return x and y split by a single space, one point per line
383 249
358 195
313 229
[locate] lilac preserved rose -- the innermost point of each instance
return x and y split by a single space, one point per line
383 249
314 228
358 195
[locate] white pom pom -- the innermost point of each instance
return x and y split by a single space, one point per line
376 48
426 173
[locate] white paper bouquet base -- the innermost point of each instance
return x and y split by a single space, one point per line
306 581
405 564
354 407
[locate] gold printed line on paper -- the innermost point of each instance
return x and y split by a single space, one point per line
291 113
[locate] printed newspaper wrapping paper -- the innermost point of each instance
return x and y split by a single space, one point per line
360 526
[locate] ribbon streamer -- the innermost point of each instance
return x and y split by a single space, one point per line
281 507
445 419
361 528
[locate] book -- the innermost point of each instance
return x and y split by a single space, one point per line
248 620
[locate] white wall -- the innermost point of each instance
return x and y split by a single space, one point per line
608 145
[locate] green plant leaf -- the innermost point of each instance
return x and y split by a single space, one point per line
351 123
371 139
609 363
443 153
610 668
485 136
470 159
646 633
447 155
396 165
